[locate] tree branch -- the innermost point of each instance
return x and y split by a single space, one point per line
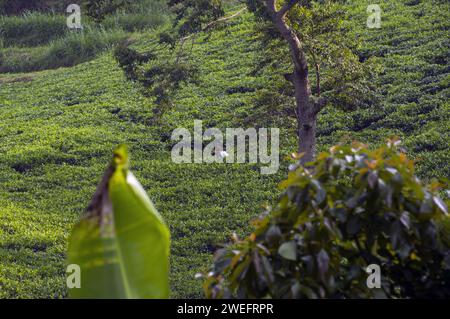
271 6
318 103
285 9
296 46
204 29
213 23
317 69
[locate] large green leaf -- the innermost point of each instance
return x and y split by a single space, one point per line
122 244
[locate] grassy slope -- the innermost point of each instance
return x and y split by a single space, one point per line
57 132
35 41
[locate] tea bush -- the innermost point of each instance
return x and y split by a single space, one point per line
132 22
355 208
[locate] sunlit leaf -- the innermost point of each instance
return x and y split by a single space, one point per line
122 243
440 203
288 250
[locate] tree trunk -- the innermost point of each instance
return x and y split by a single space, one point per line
307 118
306 110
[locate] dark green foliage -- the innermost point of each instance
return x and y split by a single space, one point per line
336 72
129 59
258 8
168 38
162 80
159 80
192 15
11 7
357 207
99 9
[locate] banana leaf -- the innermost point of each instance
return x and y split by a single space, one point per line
122 244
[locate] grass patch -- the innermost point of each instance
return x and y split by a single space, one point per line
31 29
74 48
37 41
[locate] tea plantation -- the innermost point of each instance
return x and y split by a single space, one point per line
58 129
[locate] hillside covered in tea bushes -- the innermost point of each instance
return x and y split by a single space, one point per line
58 129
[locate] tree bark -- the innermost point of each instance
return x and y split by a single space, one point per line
307 118
306 109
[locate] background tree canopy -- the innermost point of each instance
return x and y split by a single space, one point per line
19 6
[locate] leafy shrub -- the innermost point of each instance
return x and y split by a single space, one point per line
99 9
190 15
160 80
355 208
129 59
19 6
